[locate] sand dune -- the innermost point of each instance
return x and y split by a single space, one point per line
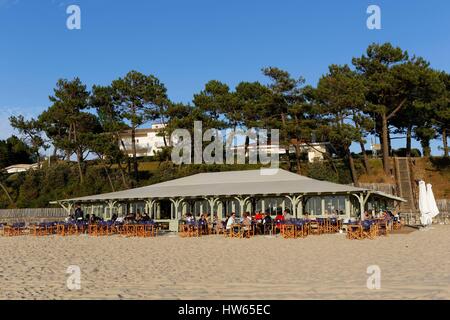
413 266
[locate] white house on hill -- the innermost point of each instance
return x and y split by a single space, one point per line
16 168
147 141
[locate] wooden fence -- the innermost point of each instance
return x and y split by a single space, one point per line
388 188
443 205
32 215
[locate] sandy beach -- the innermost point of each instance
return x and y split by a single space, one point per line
413 266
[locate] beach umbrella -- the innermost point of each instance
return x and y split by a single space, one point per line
432 206
425 216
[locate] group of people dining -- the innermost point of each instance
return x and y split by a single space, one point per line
260 220
131 217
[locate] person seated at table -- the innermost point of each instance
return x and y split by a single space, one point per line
145 217
138 217
130 217
258 216
367 215
246 224
287 215
92 218
203 223
334 214
246 221
231 220
267 219
391 215
114 217
119 220
244 216
267 223
279 217
189 218
217 224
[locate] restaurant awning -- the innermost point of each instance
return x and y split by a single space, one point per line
232 183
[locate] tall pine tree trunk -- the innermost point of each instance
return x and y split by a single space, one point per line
7 194
351 165
385 144
444 141
80 168
425 143
109 177
297 158
122 173
365 158
133 146
408 140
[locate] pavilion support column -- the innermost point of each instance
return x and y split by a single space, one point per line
212 202
176 204
111 205
242 202
362 202
158 210
300 208
294 203
347 207
220 208
67 206
173 225
150 203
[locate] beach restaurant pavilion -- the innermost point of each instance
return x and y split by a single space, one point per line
221 193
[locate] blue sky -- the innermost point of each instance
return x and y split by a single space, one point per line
187 43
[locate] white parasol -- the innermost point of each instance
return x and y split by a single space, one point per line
425 214
434 211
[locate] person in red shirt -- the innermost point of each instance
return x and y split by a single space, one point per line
258 216
279 217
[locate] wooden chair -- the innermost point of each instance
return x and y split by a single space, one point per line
183 230
131 230
300 230
219 229
37 230
268 228
306 229
149 231
315 228
354 231
288 231
335 225
383 228
325 225
236 231
17 229
371 232
93 230
195 230
61 229
397 225
248 231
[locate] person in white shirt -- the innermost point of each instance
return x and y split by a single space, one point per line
119 220
231 221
